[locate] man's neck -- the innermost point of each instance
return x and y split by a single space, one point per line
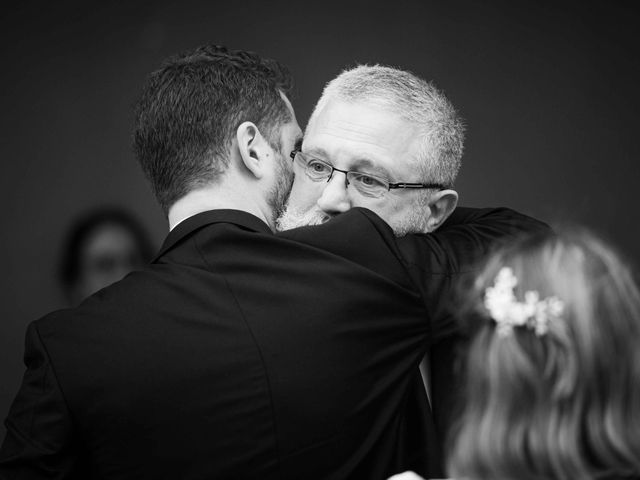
215 197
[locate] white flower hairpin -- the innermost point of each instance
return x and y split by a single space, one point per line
508 312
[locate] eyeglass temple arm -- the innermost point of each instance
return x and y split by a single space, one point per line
417 185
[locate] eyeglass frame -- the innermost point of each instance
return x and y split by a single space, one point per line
390 185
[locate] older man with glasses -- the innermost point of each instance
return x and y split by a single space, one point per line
384 139
390 134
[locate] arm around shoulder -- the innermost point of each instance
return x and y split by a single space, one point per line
465 237
441 260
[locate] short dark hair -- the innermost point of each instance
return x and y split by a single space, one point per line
190 108
85 226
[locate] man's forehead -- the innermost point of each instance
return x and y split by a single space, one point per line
364 122
362 134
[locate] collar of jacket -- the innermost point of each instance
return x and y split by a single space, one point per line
192 224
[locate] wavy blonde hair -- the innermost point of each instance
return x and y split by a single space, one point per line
565 405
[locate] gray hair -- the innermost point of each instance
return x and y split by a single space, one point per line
416 101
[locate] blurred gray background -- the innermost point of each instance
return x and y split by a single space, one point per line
549 93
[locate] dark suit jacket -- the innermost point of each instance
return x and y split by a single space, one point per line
240 354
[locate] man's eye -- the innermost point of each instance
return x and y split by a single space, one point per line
369 182
318 167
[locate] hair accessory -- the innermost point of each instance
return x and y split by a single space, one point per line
508 312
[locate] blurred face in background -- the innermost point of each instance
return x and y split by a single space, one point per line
109 252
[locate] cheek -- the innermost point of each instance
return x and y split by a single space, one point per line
386 207
304 193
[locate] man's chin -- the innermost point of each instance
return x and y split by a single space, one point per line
295 219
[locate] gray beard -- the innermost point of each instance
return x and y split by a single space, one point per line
416 221
294 218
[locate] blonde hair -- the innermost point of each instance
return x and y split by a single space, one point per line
565 405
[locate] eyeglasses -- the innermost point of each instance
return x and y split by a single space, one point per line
365 183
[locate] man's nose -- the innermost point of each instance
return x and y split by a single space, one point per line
335 197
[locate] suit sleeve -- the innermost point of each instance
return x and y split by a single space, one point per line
439 262
38 442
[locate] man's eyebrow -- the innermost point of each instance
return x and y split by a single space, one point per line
370 167
318 151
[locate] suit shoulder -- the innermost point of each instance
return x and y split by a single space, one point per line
53 319
108 304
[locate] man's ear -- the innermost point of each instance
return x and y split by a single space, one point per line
441 204
253 148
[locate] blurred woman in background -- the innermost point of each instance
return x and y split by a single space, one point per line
102 246
552 373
